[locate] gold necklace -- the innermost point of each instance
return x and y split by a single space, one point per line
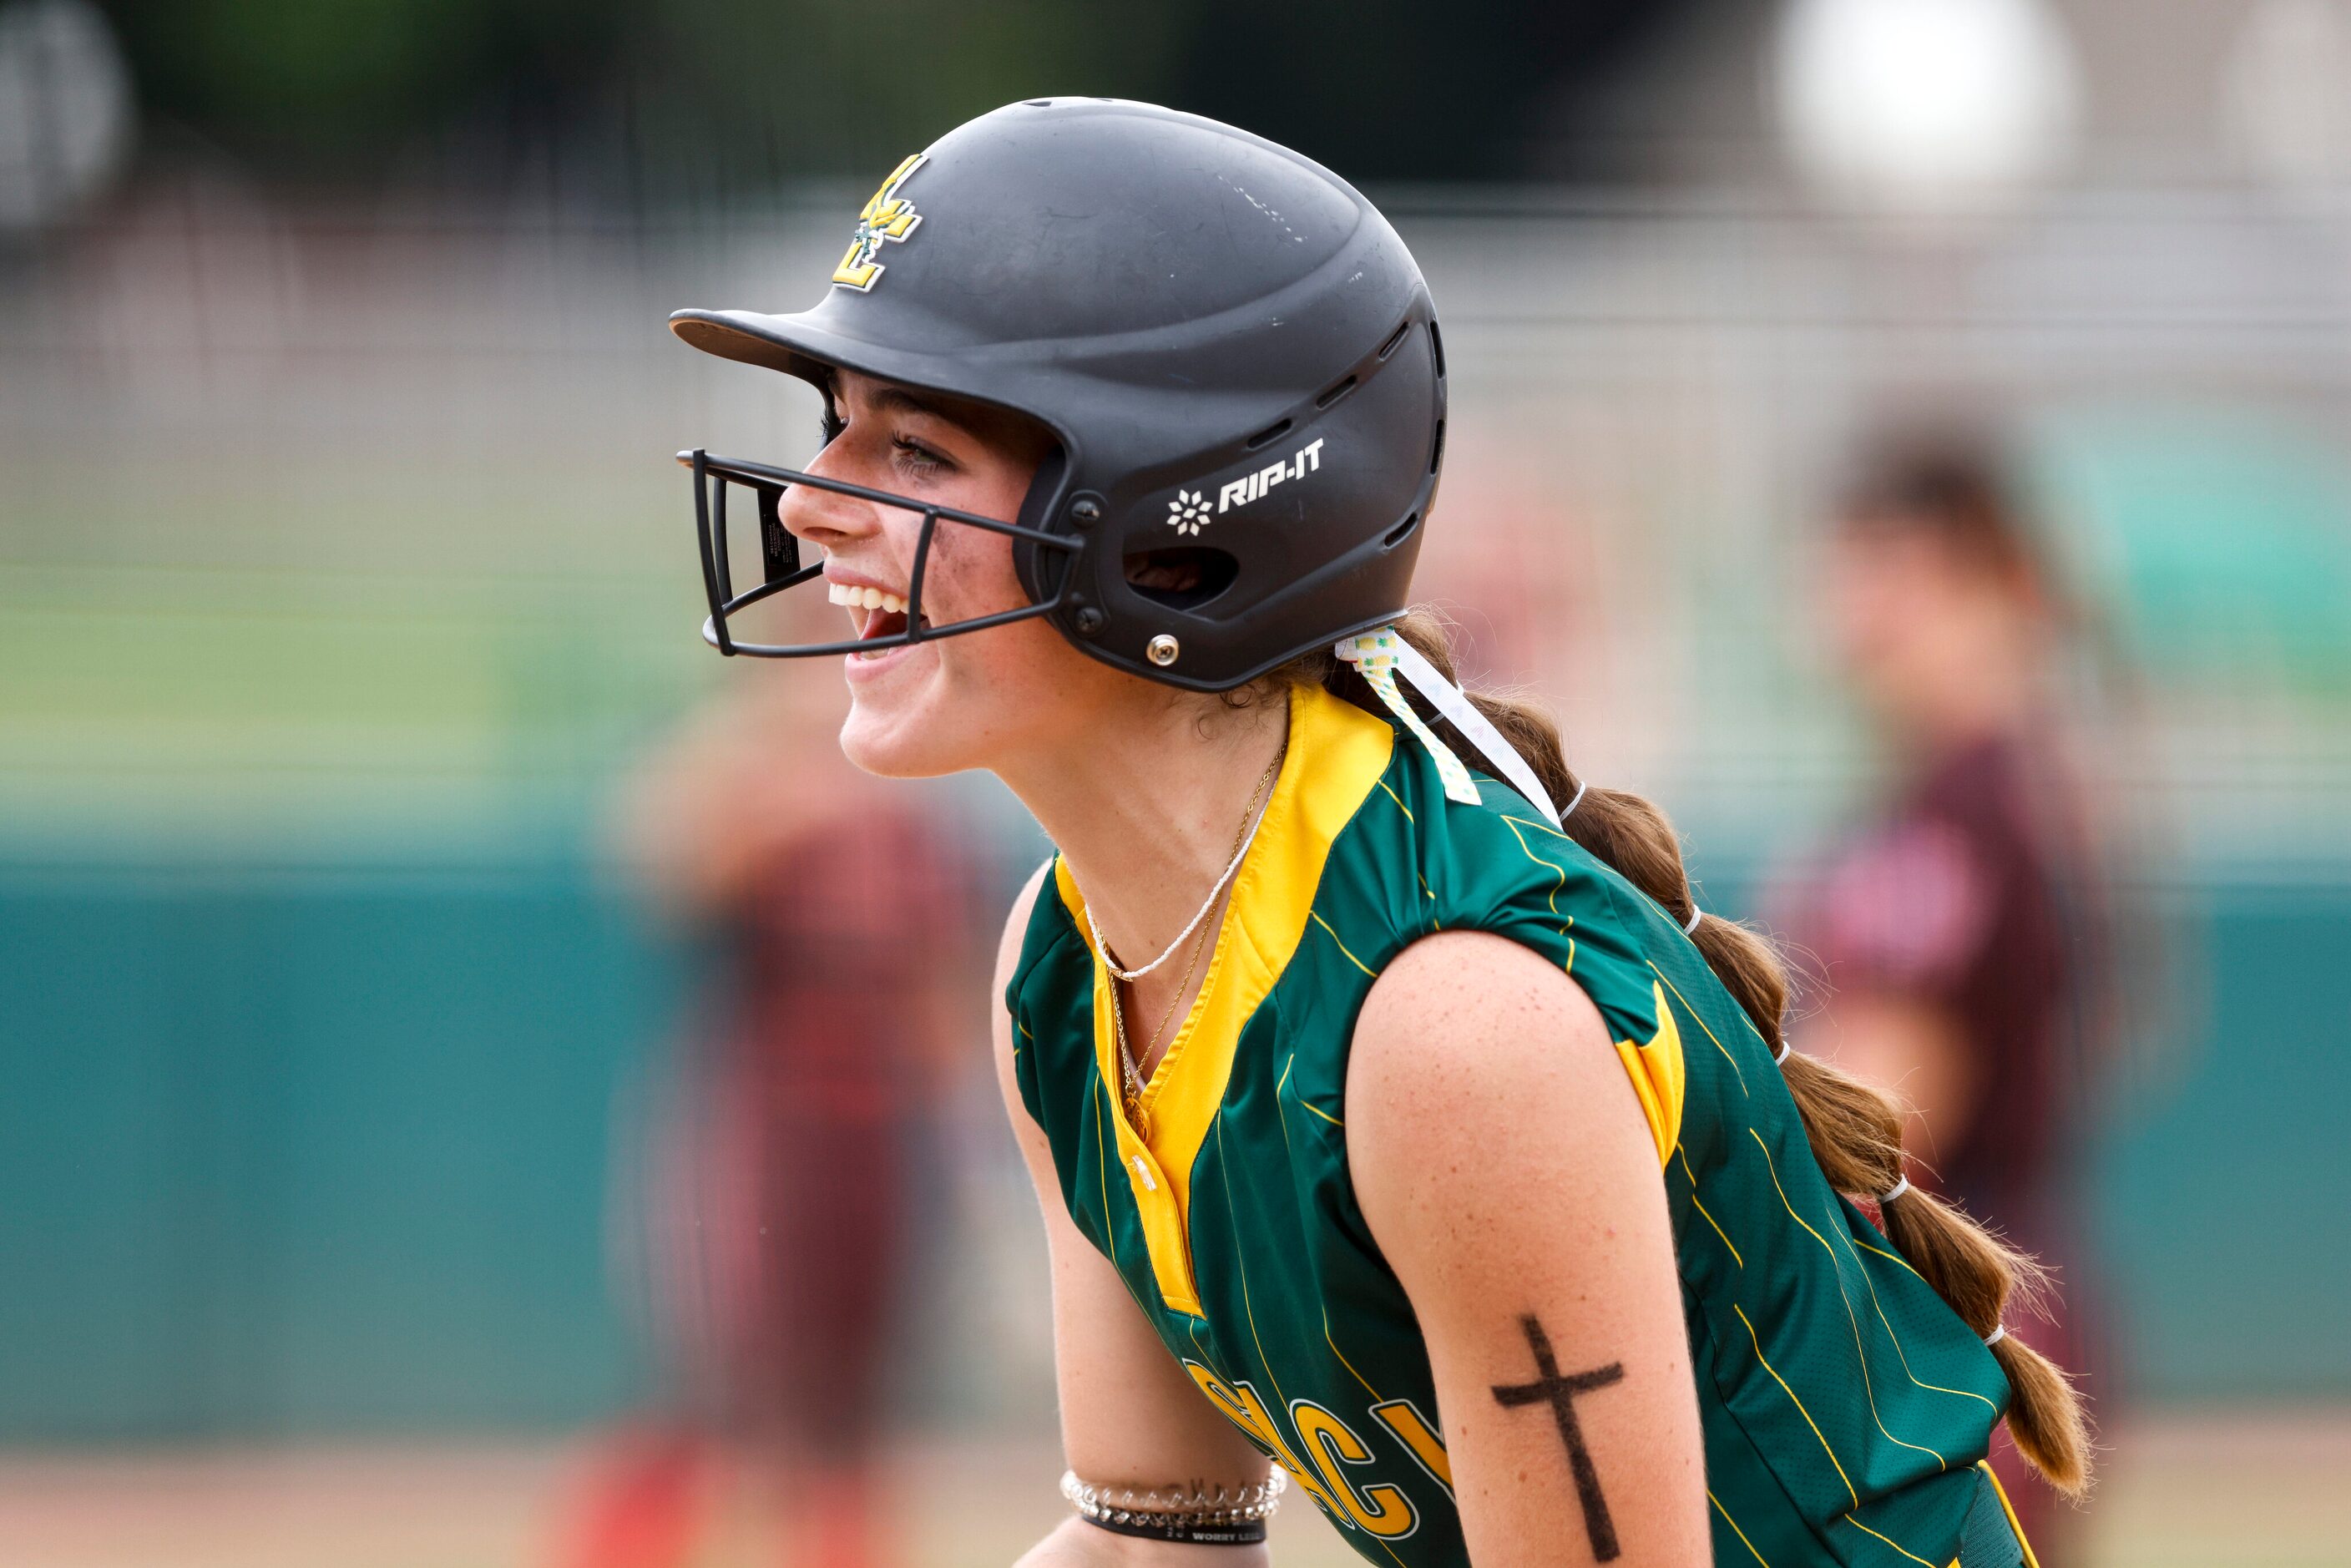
1138 1116
1191 966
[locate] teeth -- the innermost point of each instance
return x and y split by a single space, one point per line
852 597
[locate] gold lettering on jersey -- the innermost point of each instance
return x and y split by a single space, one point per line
1239 1405
888 216
1404 1418
1381 1510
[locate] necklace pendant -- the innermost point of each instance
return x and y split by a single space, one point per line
1138 1118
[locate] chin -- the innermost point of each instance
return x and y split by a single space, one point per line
950 706
877 750
897 727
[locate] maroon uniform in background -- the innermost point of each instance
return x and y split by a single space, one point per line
819 1063
1972 896
771 1182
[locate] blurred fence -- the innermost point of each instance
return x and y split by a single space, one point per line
342 564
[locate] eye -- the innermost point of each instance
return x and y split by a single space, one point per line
911 456
829 424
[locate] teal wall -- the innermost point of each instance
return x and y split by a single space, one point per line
310 1151
304 1152
2227 1203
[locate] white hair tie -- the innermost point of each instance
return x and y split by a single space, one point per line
1696 916
1781 1058
1575 800
1899 1188
1996 1335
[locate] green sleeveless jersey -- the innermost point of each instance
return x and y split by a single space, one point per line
1845 1405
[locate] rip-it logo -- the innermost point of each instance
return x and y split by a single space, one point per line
1189 513
1307 459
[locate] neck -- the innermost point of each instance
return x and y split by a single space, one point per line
1147 809
1999 696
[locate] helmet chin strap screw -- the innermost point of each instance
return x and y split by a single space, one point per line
1085 511
1162 650
1090 620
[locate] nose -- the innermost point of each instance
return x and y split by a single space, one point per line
826 518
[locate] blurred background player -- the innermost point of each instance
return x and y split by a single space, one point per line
1960 928
778 1180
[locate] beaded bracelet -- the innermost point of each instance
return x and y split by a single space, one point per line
1196 1515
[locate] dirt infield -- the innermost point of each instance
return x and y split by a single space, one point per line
2193 1490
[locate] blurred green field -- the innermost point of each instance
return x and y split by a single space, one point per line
258 669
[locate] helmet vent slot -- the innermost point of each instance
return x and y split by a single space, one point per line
1274 431
1401 532
1395 337
1436 348
1437 449
1183 577
1338 390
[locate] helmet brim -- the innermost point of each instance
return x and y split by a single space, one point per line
800 346
755 340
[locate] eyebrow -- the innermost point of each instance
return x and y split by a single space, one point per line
898 398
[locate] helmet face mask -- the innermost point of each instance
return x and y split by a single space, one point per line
1233 352
779 556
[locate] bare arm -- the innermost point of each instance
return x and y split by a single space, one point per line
1129 1414
1508 1172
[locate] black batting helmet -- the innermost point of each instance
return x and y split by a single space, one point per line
1233 351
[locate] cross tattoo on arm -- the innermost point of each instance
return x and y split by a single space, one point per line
1559 1393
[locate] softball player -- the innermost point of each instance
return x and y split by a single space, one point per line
1398 1116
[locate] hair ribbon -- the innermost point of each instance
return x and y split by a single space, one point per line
1382 657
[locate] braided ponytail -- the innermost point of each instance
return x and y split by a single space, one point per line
1855 1129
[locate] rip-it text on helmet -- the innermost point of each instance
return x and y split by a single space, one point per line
1307 459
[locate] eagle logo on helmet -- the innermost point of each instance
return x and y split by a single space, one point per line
888 216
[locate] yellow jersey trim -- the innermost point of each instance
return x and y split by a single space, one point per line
2009 1509
1337 753
1656 1072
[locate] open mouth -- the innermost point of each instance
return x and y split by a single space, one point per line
873 612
